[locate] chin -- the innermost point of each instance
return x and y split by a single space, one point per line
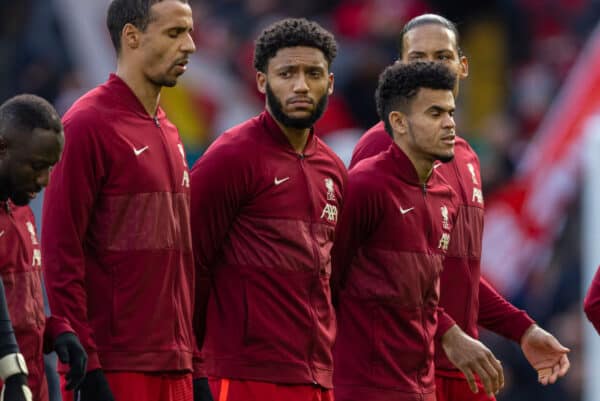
20 199
446 158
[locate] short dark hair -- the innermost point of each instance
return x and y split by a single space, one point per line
27 112
292 32
123 12
426 19
400 82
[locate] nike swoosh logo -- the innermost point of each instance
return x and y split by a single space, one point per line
140 151
279 182
404 211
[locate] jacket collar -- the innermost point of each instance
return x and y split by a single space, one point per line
403 166
125 97
279 137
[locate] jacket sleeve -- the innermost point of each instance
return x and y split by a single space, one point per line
500 316
359 218
219 185
591 303
69 198
55 326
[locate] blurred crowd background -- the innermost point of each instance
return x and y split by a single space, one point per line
520 52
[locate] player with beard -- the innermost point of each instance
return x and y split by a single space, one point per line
31 141
466 297
391 240
116 231
265 202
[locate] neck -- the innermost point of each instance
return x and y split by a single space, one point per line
297 137
423 166
147 93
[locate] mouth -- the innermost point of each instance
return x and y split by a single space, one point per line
32 195
448 139
300 102
181 65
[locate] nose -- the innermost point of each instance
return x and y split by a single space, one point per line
188 45
300 85
449 121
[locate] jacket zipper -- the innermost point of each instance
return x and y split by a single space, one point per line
169 158
429 253
316 259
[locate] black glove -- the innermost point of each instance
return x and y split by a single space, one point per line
201 390
16 389
95 387
71 352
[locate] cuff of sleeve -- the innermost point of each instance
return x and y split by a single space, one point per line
519 326
198 366
55 326
444 324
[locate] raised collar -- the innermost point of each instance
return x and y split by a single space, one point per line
125 96
403 166
279 137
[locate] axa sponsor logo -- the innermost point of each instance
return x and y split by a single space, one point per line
330 212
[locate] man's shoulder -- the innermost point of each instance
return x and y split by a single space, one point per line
372 142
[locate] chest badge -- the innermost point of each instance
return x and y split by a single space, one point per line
330 211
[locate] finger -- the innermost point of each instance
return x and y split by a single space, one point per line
494 371
470 380
497 366
63 354
486 380
544 375
564 365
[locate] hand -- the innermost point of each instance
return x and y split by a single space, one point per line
16 389
95 387
71 352
545 354
202 390
471 356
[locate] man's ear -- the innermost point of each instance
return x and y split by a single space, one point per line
261 82
398 122
130 36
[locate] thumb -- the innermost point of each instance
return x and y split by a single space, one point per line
63 353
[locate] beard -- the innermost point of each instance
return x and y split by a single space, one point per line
299 123
445 158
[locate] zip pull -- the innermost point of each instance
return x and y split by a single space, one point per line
424 189
156 122
301 156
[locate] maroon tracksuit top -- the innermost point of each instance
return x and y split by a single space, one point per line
21 271
591 303
116 234
263 223
390 244
465 295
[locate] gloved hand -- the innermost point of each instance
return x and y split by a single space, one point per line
71 352
95 387
201 390
16 389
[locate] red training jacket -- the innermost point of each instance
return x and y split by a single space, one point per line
390 244
116 234
263 223
21 271
591 303
465 295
